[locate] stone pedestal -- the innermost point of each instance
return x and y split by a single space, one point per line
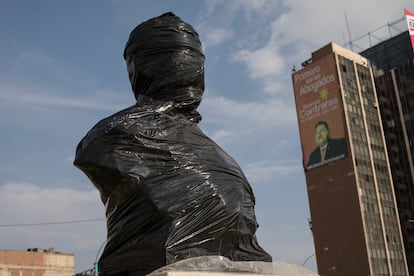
221 266
199 273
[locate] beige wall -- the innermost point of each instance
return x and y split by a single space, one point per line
28 263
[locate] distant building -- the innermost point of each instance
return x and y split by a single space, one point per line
36 262
355 221
393 61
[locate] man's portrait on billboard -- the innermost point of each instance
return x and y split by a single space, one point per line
328 149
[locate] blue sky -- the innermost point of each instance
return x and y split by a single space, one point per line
61 71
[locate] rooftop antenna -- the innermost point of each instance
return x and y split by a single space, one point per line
349 32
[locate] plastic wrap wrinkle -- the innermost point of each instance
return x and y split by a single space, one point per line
170 192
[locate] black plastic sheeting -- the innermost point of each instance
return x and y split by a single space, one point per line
169 191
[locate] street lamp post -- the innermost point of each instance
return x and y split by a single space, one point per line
307 259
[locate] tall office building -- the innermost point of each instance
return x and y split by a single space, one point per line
393 61
354 213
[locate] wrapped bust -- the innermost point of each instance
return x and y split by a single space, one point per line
169 191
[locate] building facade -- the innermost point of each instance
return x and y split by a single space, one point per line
354 213
394 79
36 262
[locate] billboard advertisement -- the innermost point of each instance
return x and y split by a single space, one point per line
320 113
409 16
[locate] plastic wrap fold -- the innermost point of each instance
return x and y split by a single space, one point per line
170 193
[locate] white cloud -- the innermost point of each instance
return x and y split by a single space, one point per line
36 79
7 168
268 113
26 203
274 86
35 58
223 136
51 100
262 63
297 28
234 124
252 9
218 19
216 36
36 96
307 26
264 171
69 159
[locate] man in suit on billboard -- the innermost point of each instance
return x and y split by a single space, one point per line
329 149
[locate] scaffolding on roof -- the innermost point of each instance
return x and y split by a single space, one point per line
376 35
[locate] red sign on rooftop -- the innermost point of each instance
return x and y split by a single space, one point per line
410 22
